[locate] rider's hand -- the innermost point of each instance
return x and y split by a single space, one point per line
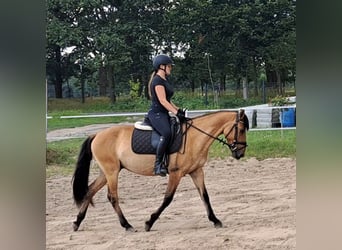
181 115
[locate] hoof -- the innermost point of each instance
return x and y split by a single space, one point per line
75 226
131 229
218 224
147 226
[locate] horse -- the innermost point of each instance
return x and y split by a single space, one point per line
112 151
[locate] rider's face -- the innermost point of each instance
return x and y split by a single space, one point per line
168 69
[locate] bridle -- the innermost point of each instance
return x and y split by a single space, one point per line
232 146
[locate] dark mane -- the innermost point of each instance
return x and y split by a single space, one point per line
246 122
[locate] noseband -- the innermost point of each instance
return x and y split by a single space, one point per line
231 146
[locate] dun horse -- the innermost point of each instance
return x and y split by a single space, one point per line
111 149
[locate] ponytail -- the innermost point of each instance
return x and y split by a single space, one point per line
149 83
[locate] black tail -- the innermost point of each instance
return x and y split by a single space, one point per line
81 174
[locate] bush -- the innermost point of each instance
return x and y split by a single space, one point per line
278 101
192 101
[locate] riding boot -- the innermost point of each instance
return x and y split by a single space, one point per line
159 168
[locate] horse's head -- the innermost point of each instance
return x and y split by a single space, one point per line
236 135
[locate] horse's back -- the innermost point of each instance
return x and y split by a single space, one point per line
112 148
115 137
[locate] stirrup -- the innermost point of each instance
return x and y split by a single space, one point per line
160 171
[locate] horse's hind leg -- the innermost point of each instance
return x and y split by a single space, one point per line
94 187
198 179
170 191
114 199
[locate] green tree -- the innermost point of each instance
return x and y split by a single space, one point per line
211 41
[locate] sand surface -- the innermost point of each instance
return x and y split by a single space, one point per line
255 200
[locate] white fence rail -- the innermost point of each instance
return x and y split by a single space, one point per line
261 117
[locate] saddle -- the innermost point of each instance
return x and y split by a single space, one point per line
145 139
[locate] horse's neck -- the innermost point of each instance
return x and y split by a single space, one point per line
213 125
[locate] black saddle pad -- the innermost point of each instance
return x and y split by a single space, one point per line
142 142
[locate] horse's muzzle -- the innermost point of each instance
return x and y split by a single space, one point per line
238 155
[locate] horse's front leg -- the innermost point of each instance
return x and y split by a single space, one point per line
198 179
172 185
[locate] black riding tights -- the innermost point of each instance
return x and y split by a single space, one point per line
161 123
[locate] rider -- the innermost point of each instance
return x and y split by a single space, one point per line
161 91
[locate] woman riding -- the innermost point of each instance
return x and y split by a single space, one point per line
161 92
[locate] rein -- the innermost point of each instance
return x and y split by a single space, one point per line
232 146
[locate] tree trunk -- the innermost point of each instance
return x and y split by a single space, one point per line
255 78
280 88
223 81
141 79
238 86
245 88
58 74
202 87
111 83
103 81
192 83
271 80
82 87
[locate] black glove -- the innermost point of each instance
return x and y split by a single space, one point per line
181 115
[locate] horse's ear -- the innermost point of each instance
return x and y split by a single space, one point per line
244 118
